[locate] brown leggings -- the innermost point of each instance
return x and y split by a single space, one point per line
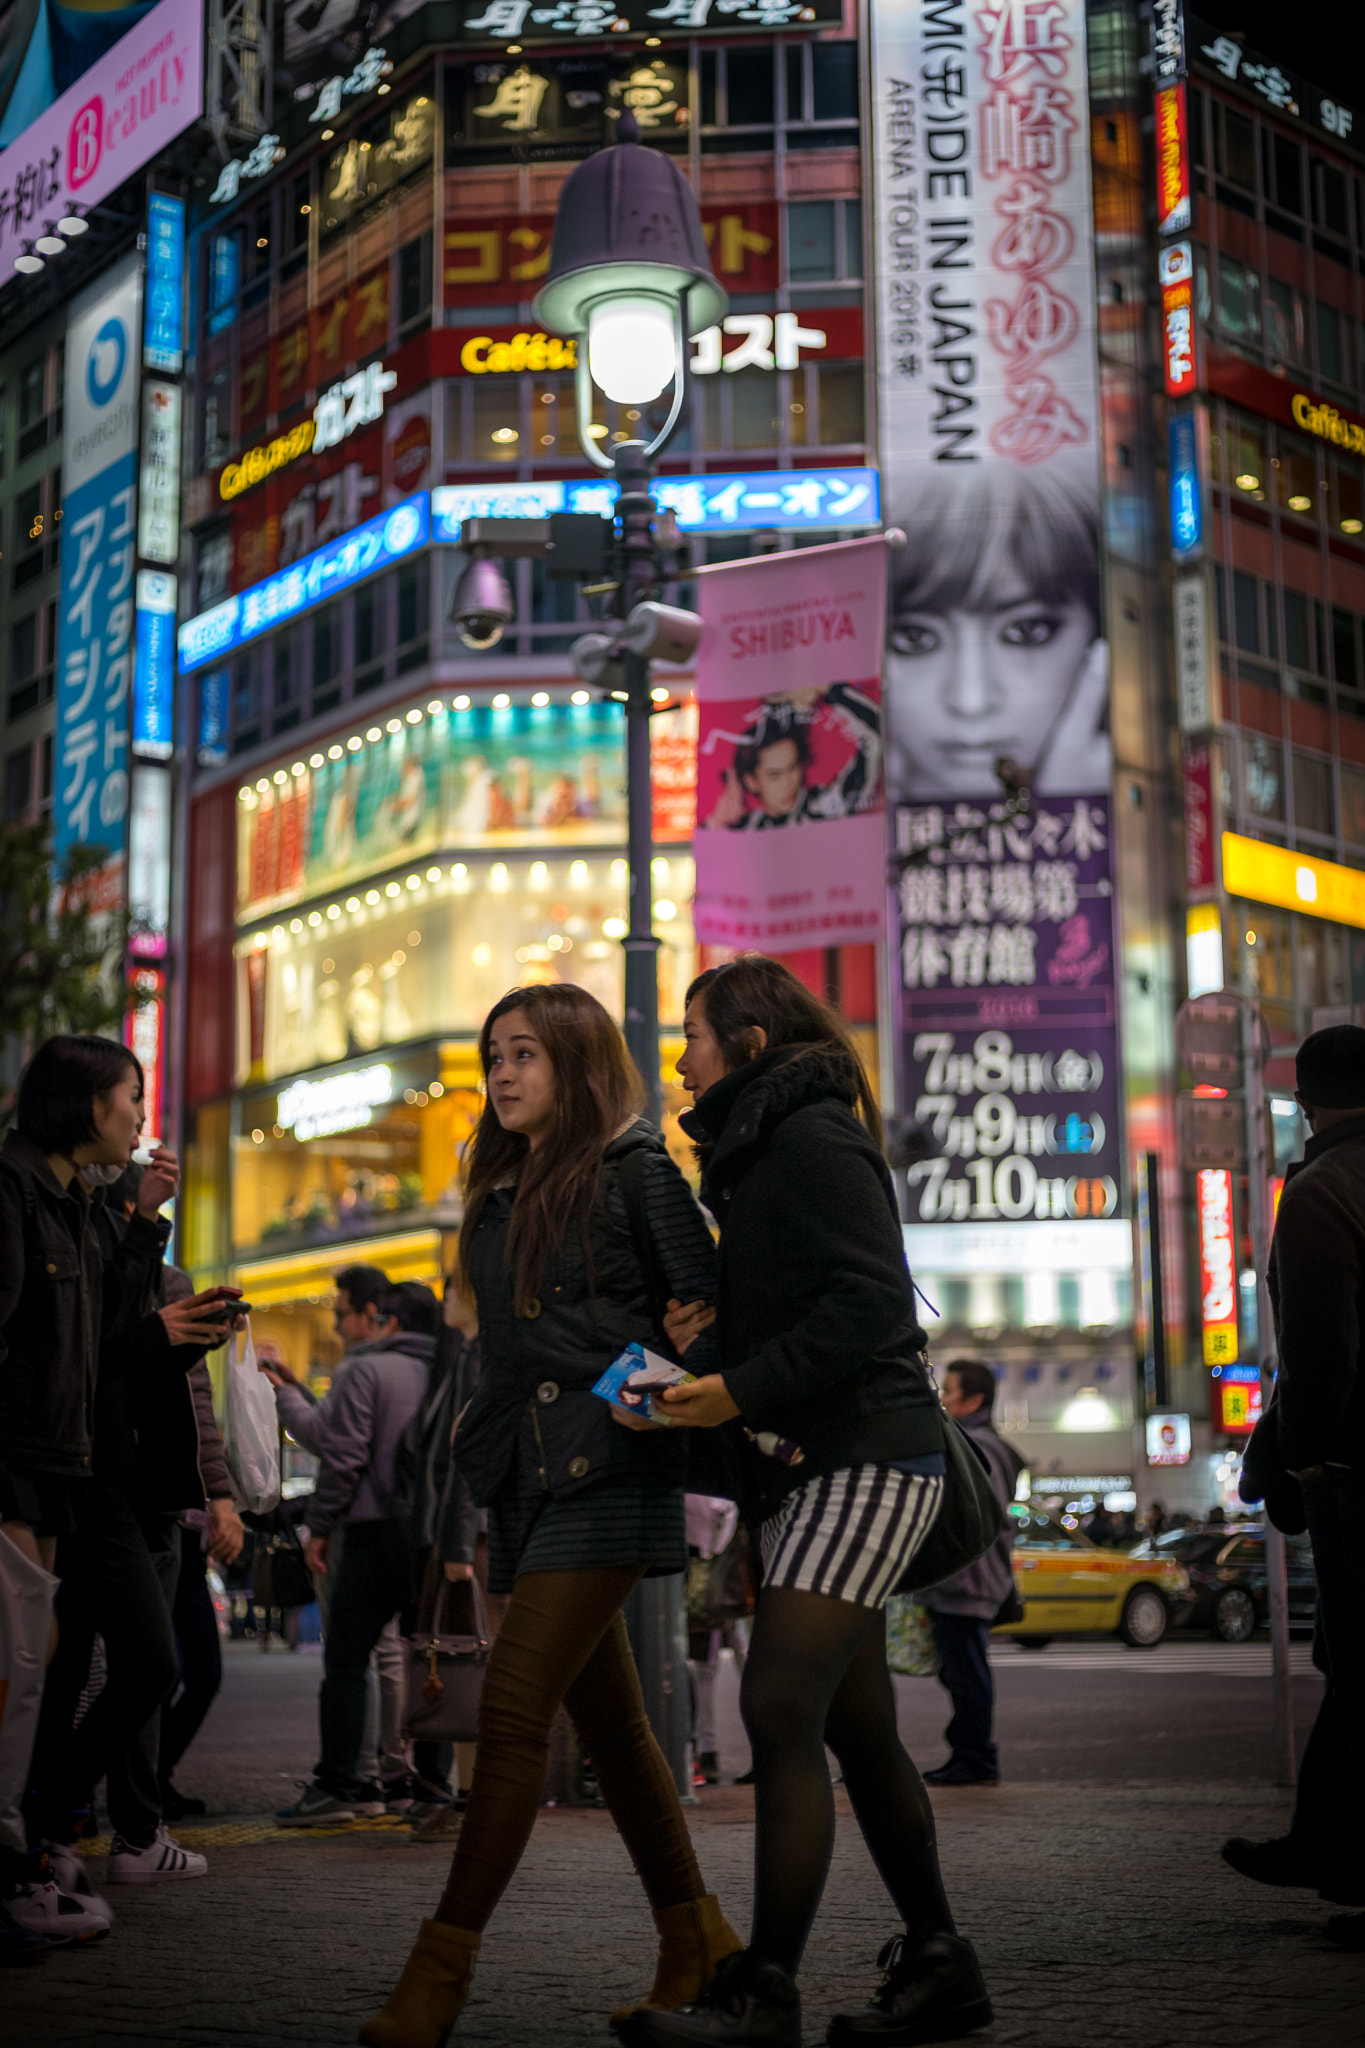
563 1639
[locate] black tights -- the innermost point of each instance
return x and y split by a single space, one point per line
815 1675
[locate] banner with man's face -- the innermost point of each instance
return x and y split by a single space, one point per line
790 842
996 716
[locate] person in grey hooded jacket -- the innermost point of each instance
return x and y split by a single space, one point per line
965 1607
357 1431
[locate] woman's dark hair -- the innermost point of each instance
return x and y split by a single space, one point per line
413 1307
597 1089
55 1109
772 724
757 991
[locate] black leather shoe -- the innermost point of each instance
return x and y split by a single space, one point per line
747 2001
955 1773
1279 1862
1347 1930
932 1992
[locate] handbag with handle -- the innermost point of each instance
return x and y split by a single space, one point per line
970 1518
445 1674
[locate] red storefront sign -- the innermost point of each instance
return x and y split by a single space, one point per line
1172 162
504 259
1175 268
1197 771
763 341
1217 1267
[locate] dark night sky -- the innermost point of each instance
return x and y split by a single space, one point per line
1323 40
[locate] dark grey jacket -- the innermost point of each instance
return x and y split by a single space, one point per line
981 1590
1317 1290
358 1426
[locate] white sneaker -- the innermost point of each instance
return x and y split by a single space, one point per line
164 1858
40 1905
74 1879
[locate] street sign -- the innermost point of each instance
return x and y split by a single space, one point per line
1212 1132
1208 1040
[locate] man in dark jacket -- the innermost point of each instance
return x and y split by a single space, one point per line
1317 1290
358 1431
965 1607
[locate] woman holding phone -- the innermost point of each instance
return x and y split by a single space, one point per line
819 1343
577 1229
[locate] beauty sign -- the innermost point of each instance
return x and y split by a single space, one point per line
789 844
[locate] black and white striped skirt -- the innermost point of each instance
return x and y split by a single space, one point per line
851 1534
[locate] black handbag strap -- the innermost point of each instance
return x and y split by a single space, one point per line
481 1623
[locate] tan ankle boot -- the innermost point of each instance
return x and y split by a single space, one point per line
693 1939
429 1996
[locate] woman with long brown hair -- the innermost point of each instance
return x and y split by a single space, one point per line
820 1346
577 1229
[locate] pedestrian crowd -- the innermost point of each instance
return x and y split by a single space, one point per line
792 1457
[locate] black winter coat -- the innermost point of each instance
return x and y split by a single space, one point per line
543 1366
1317 1290
56 1303
819 1340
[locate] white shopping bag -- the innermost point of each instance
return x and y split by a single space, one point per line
251 1432
26 1596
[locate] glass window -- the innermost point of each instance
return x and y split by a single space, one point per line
1285 325
297 212
1349 508
1329 198
1314 807
1239 300
1268 963
1345 658
1246 612
246 698
23 648
414 294
749 87
812 253
841 404
1295 470
496 431
326 645
1288 174
410 586
552 417
1324 972
18 781
1237 158
28 519
31 402
835 75
286 667
1298 646
796 82
260 241
1262 777
754 396
710 64
1353 805
1331 357
369 621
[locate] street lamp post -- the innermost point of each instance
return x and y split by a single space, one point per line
631 279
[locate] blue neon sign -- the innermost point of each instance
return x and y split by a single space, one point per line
371 547
1187 507
788 498
163 334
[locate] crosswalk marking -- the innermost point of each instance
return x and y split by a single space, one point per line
1222 1660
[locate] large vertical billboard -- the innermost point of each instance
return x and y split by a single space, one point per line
996 708
99 548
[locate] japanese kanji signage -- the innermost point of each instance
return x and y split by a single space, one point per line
1175 268
128 105
492 259
1010 1048
1284 92
790 841
99 543
1217 1267
784 498
1172 161
163 340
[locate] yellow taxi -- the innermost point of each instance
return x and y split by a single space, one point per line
1069 1586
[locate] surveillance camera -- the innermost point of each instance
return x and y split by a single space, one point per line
662 630
482 607
596 657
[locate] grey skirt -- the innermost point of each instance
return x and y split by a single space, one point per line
619 1522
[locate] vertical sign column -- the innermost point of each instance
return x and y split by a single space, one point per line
98 561
153 724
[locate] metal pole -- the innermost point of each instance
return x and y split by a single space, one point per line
654 1612
1258 1190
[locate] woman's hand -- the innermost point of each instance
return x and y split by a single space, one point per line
270 1361
457 1572
684 1324
700 1404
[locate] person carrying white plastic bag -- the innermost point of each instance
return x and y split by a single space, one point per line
251 1431
26 1596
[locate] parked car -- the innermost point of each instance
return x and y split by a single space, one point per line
1228 1578
1069 1586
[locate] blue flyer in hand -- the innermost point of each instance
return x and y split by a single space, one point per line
631 1381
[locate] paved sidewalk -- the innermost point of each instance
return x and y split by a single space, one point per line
1102 1912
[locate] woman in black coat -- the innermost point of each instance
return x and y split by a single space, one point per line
821 1352
577 1229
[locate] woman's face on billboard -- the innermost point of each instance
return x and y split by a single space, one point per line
969 686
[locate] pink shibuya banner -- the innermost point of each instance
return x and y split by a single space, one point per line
790 841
